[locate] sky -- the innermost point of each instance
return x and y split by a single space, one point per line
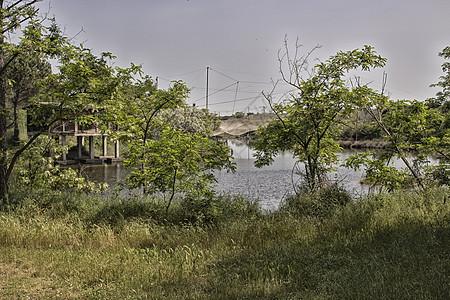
239 40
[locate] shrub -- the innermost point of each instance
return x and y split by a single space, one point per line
321 203
116 212
216 208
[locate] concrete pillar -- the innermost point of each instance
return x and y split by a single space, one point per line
79 145
116 149
105 145
91 147
63 143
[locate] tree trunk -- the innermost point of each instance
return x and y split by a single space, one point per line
3 149
3 117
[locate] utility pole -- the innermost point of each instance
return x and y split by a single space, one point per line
207 86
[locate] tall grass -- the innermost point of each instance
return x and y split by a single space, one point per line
393 246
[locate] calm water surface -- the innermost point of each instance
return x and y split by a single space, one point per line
269 185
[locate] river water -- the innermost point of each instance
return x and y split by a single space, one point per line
268 185
271 184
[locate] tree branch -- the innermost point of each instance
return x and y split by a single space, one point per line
10 60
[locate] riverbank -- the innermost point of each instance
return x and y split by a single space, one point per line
80 247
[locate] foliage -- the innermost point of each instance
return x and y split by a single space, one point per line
139 101
239 114
320 203
24 75
190 120
379 172
12 16
82 84
419 126
176 162
360 127
307 121
118 212
36 169
169 147
215 209
443 96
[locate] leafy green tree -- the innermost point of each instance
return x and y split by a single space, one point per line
443 96
139 102
84 81
190 120
176 162
169 147
12 15
307 121
36 169
419 126
23 75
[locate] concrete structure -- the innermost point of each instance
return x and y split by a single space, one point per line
68 128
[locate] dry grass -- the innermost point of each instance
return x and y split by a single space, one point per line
390 246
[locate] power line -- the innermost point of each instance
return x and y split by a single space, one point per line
218 91
240 72
224 75
237 100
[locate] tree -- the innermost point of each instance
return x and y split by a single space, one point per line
35 169
139 102
419 126
23 75
306 121
444 96
176 162
12 15
169 147
83 82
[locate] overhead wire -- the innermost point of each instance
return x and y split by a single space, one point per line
218 91
229 77
242 87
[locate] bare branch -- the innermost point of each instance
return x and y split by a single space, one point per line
14 4
20 8
296 65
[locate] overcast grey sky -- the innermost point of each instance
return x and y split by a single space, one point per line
239 40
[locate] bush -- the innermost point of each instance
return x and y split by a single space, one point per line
217 208
117 212
56 204
321 203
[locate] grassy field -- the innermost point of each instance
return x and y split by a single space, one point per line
65 246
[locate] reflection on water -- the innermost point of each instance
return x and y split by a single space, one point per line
269 184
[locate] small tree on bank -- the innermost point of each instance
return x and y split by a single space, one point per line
306 121
170 150
409 125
